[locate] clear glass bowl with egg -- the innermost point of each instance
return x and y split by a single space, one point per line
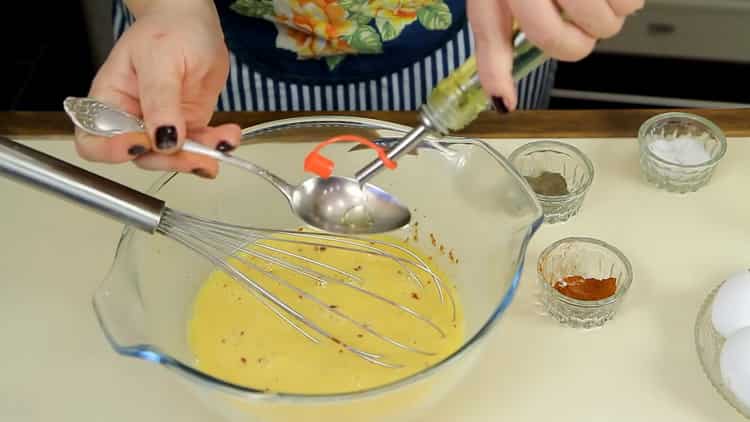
709 343
471 212
559 173
588 258
679 152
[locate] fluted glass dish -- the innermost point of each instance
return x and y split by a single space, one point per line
588 258
672 176
534 158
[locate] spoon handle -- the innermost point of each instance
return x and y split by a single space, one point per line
97 118
277 182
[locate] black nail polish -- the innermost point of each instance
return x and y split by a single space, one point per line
224 146
136 150
499 105
166 137
201 173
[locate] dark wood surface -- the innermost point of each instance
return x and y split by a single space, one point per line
521 124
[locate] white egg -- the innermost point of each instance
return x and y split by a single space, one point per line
735 364
731 307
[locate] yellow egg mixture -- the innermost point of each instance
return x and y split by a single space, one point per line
235 337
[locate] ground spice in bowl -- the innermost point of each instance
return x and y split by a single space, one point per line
577 287
549 184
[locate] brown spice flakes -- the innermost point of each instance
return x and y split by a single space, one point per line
242 333
399 272
341 350
300 297
225 285
433 240
358 268
323 248
360 335
414 295
300 229
333 306
243 360
223 341
450 255
549 184
442 249
335 340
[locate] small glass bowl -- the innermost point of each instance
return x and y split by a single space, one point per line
551 156
675 177
708 343
589 258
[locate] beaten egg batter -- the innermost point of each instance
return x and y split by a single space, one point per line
237 338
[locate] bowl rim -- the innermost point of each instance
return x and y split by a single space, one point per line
559 145
712 127
151 353
622 286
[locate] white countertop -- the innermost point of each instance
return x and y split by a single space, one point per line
56 365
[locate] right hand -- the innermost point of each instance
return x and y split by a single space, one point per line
168 68
569 39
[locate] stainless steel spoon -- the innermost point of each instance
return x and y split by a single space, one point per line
335 204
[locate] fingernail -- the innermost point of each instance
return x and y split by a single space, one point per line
224 146
166 137
202 173
499 105
136 150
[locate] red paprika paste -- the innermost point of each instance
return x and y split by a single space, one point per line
577 287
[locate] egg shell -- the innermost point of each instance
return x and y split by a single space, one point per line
735 365
731 308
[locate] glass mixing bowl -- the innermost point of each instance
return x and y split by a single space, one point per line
462 191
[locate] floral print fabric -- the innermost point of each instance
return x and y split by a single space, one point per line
332 30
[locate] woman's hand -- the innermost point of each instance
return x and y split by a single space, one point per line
586 21
169 68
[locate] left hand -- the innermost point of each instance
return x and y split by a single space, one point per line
571 39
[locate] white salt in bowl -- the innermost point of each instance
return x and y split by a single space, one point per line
679 152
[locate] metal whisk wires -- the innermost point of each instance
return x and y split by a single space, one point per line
250 255
236 249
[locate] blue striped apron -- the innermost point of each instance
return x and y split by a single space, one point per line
406 89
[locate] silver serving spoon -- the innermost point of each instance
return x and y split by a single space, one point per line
335 204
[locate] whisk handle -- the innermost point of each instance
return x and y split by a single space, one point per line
51 175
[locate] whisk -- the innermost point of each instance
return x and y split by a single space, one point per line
233 248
